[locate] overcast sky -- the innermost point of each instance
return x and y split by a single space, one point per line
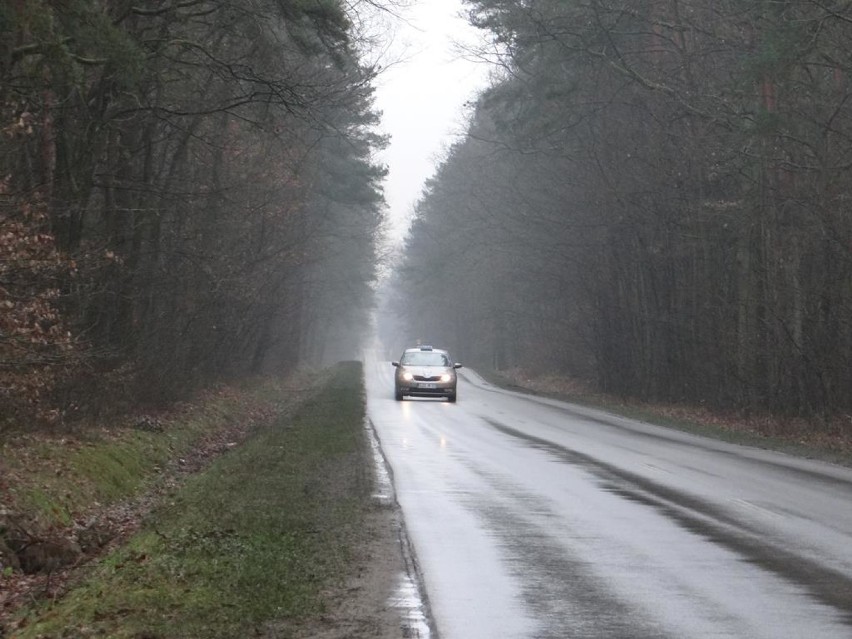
422 98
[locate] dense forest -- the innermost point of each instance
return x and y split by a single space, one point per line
187 194
653 196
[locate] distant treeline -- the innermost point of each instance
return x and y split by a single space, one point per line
186 194
656 196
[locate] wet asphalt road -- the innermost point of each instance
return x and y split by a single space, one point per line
535 518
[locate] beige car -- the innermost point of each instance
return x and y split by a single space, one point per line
425 372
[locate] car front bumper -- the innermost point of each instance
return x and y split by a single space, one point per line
425 389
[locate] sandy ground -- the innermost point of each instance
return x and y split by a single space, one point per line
381 597
366 605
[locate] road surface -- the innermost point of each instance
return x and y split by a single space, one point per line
531 517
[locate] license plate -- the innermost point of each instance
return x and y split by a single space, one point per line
428 386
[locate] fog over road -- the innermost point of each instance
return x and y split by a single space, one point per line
536 518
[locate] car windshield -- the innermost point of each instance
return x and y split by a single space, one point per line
425 358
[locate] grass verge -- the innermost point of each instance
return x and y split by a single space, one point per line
252 540
54 479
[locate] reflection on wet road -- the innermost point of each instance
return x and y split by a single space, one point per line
533 518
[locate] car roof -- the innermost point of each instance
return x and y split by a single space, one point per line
427 349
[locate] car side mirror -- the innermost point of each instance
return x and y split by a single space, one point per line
457 365
394 363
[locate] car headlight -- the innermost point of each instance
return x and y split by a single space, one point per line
446 377
407 376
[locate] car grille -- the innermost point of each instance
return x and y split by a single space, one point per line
427 378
